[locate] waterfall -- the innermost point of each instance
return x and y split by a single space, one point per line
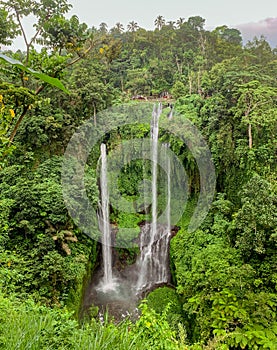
165 238
154 239
168 211
119 290
154 137
104 223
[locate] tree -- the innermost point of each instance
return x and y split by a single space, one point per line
260 50
180 21
255 222
171 24
159 22
196 22
256 104
139 81
65 34
110 50
43 12
89 90
231 35
118 28
178 90
8 28
103 28
66 41
132 26
6 118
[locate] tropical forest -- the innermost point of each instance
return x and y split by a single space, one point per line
137 184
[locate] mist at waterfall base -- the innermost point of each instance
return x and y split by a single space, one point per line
118 291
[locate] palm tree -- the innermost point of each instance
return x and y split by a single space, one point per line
132 26
159 22
119 27
180 21
103 27
171 24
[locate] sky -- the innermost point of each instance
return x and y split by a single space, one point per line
216 12
252 18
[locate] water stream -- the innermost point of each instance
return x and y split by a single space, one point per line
108 282
154 238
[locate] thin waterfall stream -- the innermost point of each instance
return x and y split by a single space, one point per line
108 282
154 240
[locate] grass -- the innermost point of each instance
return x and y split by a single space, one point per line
28 326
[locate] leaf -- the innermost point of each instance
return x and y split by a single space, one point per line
244 342
42 76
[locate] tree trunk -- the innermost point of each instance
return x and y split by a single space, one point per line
250 139
122 84
190 84
17 124
199 82
94 115
179 66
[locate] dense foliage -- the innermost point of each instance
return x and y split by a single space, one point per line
225 273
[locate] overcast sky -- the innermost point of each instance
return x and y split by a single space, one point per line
216 12
251 17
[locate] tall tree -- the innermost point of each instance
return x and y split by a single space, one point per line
103 28
65 41
230 35
196 22
257 106
180 21
43 11
8 28
261 51
171 24
159 22
132 26
119 27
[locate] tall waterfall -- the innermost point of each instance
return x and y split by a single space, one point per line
104 223
120 289
168 212
165 237
154 239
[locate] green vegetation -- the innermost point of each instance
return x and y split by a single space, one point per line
31 326
224 273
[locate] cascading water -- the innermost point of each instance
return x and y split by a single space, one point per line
168 211
154 239
162 247
120 295
108 281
